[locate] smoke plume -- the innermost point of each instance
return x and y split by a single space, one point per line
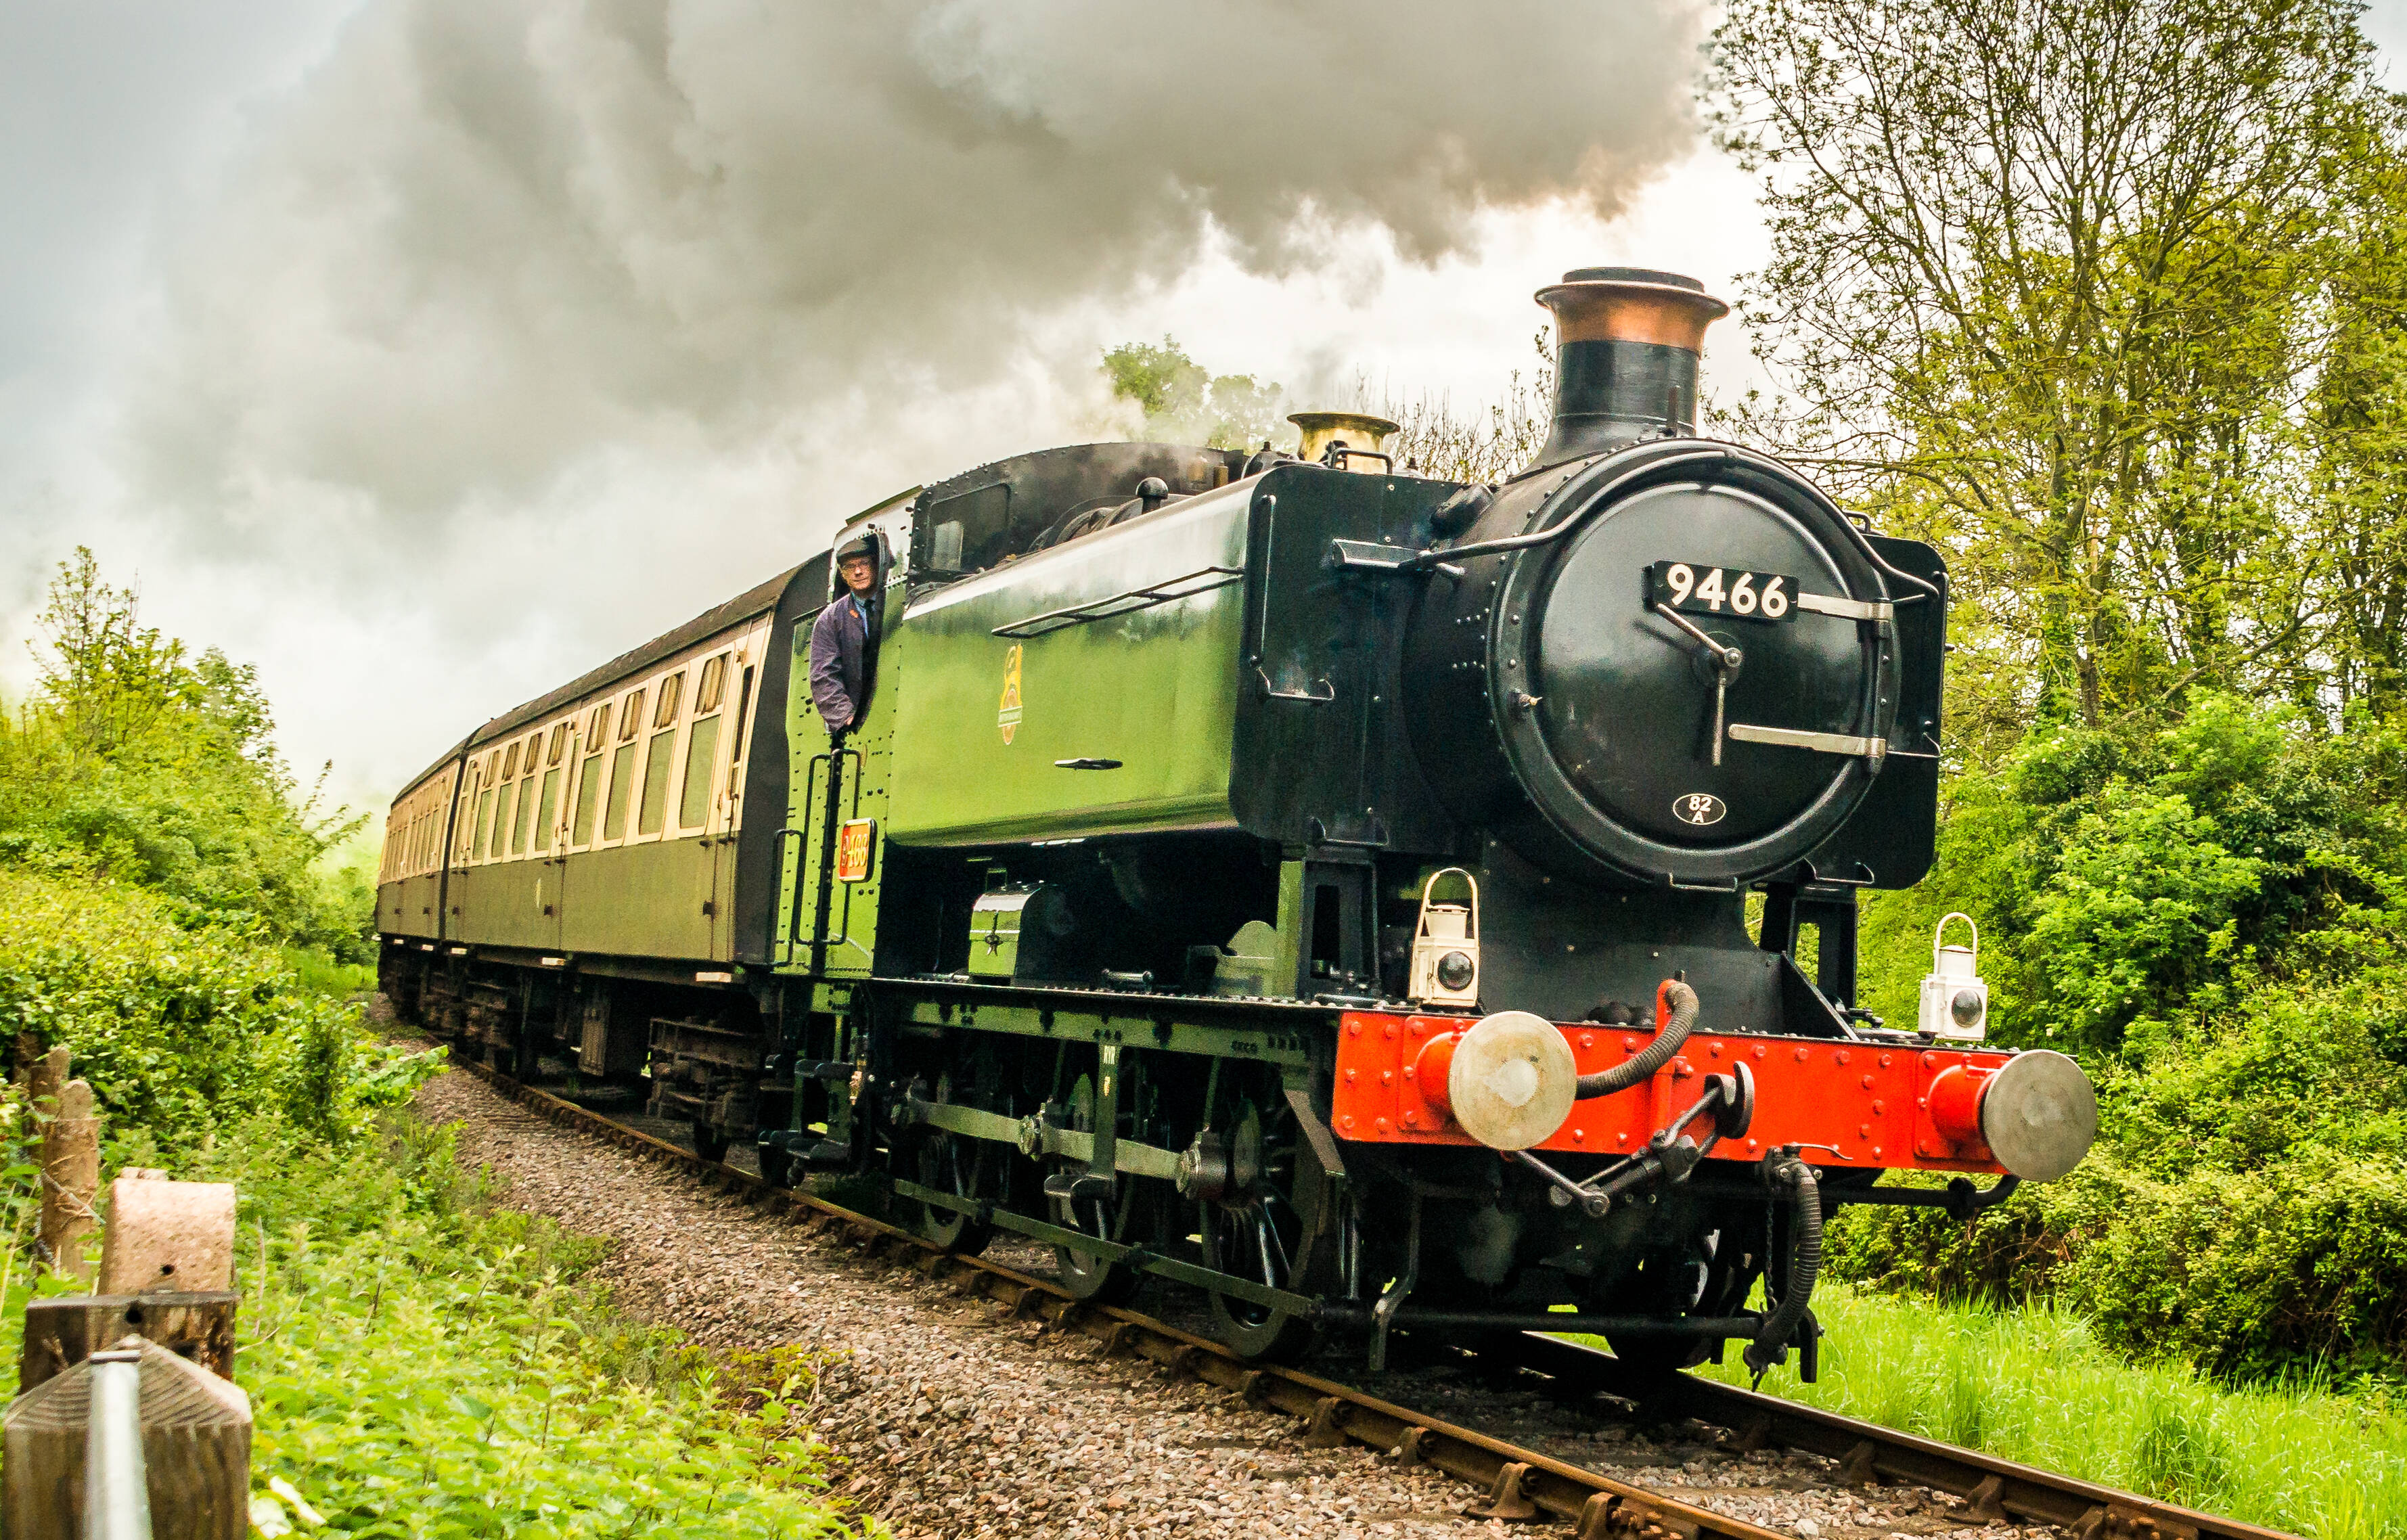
569 290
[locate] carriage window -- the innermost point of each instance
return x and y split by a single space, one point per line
545 811
522 824
484 835
559 742
656 781
713 685
632 718
588 785
599 728
623 776
669 689
701 753
510 766
743 711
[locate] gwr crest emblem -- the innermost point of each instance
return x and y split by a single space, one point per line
1008 717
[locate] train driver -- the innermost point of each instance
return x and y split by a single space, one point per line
844 640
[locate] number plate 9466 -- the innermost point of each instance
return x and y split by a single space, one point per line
1701 590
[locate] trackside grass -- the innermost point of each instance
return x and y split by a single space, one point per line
2032 1385
443 1371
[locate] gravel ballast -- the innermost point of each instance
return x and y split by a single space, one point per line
949 1418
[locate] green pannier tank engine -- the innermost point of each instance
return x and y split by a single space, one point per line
1282 876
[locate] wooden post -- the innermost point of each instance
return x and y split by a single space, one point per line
62 1331
70 1178
43 1079
195 1450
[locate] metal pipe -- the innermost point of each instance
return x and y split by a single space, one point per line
1654 1056
116 1486
1542 1321
1770 1343
1548 536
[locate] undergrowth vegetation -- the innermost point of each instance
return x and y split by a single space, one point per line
423 1364
419 1362
182 1026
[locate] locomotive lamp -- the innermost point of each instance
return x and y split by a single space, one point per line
1445 948
1954 1001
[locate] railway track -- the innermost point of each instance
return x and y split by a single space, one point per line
1518 1484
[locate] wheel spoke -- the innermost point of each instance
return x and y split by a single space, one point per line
1278 1244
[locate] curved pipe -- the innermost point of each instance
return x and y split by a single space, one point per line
1676 1007
1770 1343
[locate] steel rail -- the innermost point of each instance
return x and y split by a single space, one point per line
1520 1483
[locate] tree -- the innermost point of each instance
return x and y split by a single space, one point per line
2045 288
135 760
2358 428
1489 444
1182 402
106 677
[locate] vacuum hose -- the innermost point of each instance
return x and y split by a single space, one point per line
1675 1013
1770 1343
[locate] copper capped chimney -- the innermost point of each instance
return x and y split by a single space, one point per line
1627 341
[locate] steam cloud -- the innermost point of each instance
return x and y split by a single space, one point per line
525 286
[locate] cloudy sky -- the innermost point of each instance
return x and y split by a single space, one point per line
424 352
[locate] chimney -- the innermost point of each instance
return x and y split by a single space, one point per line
1627 340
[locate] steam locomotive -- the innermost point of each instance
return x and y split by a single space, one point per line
1282 874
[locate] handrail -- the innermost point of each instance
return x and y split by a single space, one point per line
1166 591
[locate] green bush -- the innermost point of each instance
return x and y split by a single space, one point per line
2207 914
181 1031
2303 1260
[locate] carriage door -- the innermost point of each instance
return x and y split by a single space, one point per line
726 685
564 748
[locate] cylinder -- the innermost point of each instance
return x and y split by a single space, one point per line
1627 344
